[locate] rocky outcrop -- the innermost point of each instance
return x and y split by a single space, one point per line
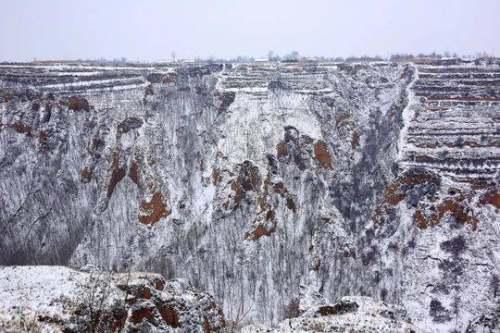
350 314
374 179
58 299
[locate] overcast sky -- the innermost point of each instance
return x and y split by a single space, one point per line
153 29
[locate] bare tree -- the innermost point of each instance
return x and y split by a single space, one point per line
234 325
95 314
22 322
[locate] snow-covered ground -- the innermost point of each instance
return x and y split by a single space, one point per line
56 299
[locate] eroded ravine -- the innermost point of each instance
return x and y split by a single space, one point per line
251 180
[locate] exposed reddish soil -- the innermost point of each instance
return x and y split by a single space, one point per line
216 176
259 232
77 103
452 206
170 316
117 173
134 171
22 128
322 154
154 210
281 150
491 197
138 315
85 175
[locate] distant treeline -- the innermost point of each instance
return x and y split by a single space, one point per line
293 56
399 57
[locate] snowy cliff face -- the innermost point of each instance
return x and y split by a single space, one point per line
255 181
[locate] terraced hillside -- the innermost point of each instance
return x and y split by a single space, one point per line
269 185
455 128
